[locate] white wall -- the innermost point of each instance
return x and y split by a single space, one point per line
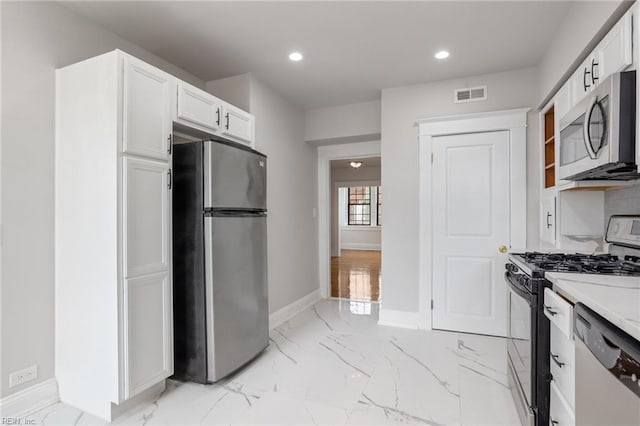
344 177
400 167
345 123
291 187
236 90
581 24
36 39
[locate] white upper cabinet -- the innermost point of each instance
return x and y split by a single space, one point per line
548 220
198 108
146 110
615 51
613 54
237 124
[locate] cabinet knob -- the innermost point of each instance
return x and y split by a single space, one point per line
502 249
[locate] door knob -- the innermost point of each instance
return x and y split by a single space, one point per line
502 249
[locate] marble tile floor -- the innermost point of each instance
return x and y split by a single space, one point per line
333 365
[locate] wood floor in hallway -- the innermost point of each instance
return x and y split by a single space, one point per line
356 275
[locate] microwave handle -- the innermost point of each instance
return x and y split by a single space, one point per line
586 134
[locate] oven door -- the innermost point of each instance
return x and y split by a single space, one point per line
520 304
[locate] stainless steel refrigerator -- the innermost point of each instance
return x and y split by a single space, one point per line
221 317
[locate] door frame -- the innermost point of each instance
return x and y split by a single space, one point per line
515 122
325 155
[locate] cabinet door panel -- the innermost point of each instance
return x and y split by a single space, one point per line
197 107
146 217
548 220
580 82
614 53
148 331
147 108
238 125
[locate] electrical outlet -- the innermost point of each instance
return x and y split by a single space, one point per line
22 376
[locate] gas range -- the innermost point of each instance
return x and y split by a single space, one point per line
536 264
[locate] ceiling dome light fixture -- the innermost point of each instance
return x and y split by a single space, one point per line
443 54
295 56
355 164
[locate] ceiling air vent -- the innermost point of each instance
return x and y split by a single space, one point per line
470 94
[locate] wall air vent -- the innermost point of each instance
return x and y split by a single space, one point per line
470 94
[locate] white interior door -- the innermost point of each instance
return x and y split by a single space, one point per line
470 224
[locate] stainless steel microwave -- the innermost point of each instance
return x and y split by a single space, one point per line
598 136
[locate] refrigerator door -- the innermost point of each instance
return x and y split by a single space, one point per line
234 177
236 291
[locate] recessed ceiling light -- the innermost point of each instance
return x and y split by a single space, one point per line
355 164
295 56
443 54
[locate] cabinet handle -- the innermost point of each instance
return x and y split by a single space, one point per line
169 180
227 117
584 79
218 116
548 217
594 77
170 144
553 422
555 359
550 311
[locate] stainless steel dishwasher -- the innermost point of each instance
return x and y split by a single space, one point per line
607 372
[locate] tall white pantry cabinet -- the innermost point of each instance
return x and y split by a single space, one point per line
113 323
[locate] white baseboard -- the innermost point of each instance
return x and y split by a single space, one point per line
402 319
292 309
30 400
360 246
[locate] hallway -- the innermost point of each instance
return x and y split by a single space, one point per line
356 275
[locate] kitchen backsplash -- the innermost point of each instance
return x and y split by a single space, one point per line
621 201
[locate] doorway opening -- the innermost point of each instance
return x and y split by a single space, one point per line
356 227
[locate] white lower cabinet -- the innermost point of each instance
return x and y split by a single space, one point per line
560 413
562 359
148 336
114 336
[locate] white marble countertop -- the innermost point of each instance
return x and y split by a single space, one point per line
615 298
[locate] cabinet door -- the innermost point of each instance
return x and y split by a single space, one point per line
198 107
238 125
146 212
560 413
614 53
146 110
148 332
581 82
548 219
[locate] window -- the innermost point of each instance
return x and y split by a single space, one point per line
361 206
359 210
379 206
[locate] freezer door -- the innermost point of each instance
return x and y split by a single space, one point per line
234 177
236 291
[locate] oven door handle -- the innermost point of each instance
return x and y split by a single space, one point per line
509 278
